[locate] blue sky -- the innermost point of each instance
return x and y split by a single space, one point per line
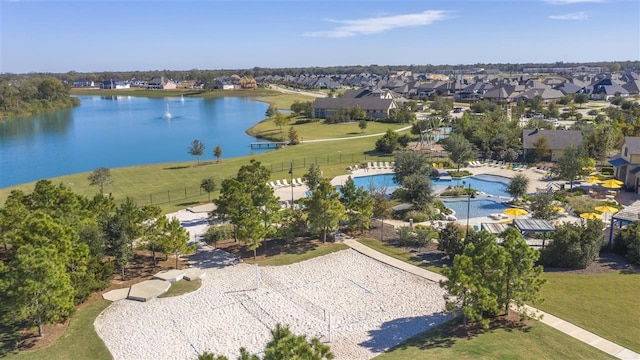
93 36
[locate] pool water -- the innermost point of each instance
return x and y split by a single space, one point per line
478 207
488 184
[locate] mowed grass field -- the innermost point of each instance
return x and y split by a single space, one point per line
320 130
607 304
535 342
167 184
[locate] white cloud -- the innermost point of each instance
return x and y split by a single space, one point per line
564 2
378 25
582 15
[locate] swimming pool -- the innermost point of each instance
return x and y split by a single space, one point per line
488 184
478 207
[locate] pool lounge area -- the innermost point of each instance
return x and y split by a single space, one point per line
492 186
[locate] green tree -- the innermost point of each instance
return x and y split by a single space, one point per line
280 120
540 207
231 202
574 245
571 164
217 233
175 239
471 282
388 142
362 124
286 345
356 113
272 111
217 152
196 149
459 149
541 148
627 242
313 176
293 136
521 278
12 216
580 99
358 204
41 292
517 188
208 185
153 227
452 239
101 177
302 108
409 163
324 210
417 190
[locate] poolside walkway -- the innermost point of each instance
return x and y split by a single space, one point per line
566 327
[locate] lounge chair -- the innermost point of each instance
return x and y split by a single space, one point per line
393 165
300 181
285 183
386 165
369 165
278 184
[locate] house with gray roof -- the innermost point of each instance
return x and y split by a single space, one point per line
374 107
626 165
558 140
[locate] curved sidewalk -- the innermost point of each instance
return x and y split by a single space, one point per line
576 332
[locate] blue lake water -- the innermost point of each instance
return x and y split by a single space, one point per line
116 131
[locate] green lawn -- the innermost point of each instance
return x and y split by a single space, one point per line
167 184
80 341
606 304
182 287
399 254
320 130
287 259
537 341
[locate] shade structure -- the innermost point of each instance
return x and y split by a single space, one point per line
557 208
612 184
606 209
591 216
515 212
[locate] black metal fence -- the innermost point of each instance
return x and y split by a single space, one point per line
190 192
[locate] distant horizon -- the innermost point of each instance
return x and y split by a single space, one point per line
588 63
84 36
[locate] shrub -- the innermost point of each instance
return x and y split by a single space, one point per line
461 173
627 242
452 239
582 204
218 233
417 216
574 246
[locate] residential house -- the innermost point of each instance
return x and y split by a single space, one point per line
605 89
626 165
115 84
375 107
161 83
83 83
558 140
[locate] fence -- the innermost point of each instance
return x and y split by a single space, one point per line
190 192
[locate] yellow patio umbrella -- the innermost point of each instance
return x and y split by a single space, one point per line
597 175
612 184
606 209
515 212
591 216
557 208
592 180
589 168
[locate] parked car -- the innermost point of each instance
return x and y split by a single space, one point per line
553 121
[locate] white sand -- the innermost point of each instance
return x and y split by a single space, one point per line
372 307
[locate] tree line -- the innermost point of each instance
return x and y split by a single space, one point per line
34 96
58 247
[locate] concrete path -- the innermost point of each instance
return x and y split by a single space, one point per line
353 137
583 335
365 250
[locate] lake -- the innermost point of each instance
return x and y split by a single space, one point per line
117 131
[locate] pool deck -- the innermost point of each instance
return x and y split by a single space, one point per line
535 182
